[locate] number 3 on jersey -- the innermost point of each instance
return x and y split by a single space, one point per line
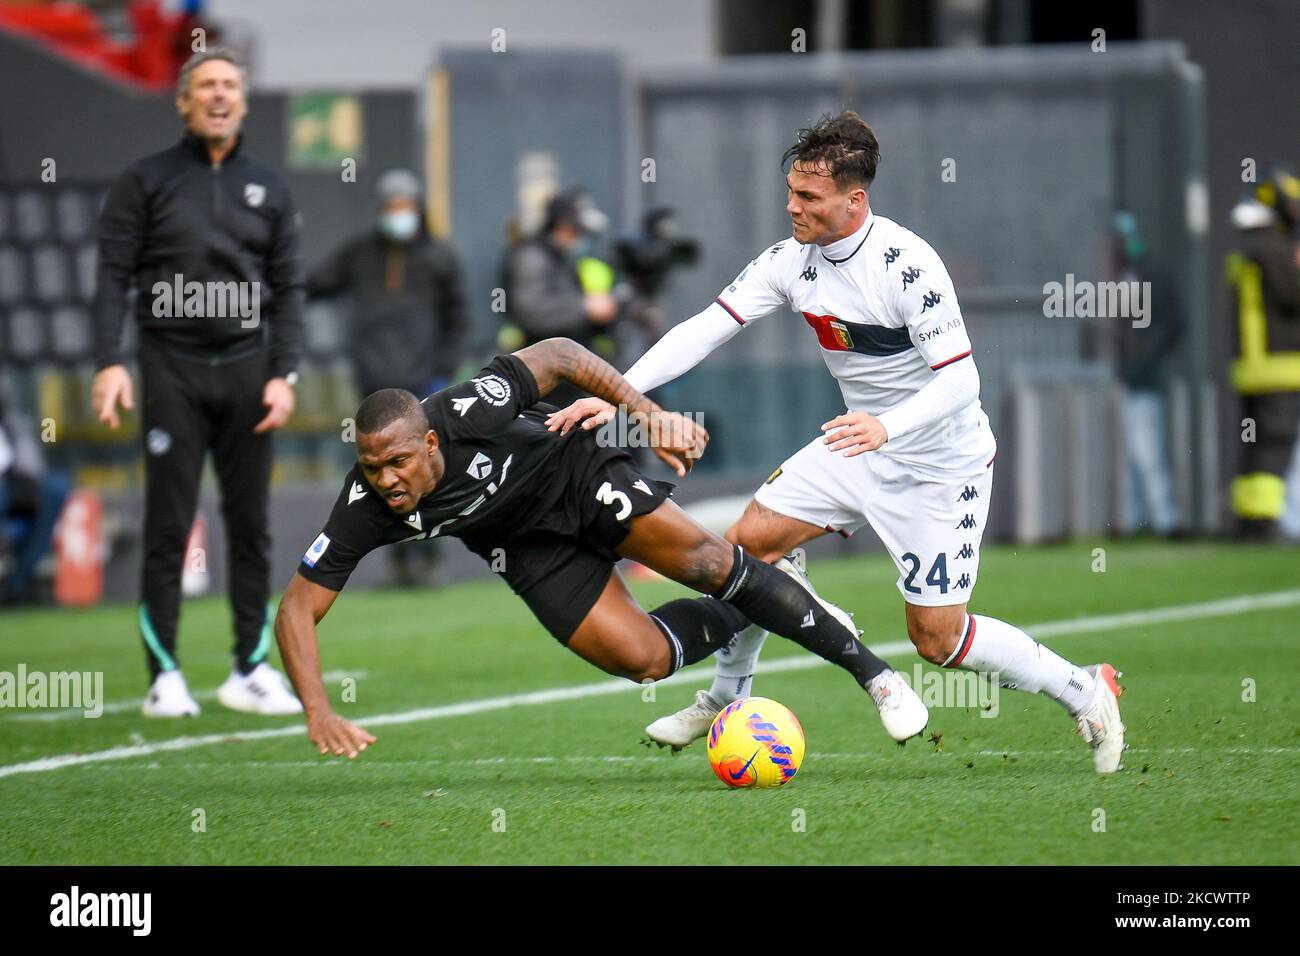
937 576
606 495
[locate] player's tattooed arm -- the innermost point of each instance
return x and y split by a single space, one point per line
563 360
303 606
676 440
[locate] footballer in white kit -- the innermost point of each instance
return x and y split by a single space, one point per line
911 456
886 318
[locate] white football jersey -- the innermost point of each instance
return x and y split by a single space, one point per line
886 317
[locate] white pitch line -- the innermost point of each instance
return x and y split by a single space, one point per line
659 758
1182 612
126 706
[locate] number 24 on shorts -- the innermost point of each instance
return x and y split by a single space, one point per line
936 577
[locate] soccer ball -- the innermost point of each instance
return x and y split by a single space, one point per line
755 742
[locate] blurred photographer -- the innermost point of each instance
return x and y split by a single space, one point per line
646 261
554 288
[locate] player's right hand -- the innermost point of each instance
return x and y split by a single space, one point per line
111 385
331 733
595 411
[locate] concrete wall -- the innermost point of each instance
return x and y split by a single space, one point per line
303 43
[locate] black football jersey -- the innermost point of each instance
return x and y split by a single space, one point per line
504 472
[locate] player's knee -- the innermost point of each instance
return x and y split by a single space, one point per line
709 564
743 535
933 638
648 662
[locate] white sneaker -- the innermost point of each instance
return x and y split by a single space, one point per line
169 697
689 724
261 692
1100 724
901 709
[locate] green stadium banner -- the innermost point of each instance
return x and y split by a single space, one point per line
324 129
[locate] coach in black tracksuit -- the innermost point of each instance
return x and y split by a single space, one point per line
208 236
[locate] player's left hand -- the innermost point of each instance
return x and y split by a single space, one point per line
278 397
854 433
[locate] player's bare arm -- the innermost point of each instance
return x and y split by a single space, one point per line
676 440
302 608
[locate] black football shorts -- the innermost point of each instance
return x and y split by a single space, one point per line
561 565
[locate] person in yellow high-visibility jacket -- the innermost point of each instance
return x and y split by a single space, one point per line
1264 275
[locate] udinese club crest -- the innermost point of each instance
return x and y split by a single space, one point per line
493 389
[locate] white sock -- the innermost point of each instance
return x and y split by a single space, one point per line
990 645
734 676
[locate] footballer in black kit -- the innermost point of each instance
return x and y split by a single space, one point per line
553 513
523 498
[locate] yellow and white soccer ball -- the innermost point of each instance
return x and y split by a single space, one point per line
755 742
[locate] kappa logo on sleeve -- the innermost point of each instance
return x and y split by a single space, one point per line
493 389
317 549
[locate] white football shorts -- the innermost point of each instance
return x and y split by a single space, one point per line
931 526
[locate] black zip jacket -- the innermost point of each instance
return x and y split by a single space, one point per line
175 213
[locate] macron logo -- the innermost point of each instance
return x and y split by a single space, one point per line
103 909
356 492
462 405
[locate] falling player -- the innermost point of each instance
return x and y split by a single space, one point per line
552 514
913 454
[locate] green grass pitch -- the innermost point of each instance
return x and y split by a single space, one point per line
1210 778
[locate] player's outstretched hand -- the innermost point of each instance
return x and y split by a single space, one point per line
854 432
589 412
331 733
677 440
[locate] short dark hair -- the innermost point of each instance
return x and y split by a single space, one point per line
844 143
380 409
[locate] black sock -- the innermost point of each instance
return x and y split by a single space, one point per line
696 627
773 600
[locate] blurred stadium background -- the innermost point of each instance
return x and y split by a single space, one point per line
1048 138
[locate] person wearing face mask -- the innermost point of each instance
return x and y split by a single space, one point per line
208 237
405 311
